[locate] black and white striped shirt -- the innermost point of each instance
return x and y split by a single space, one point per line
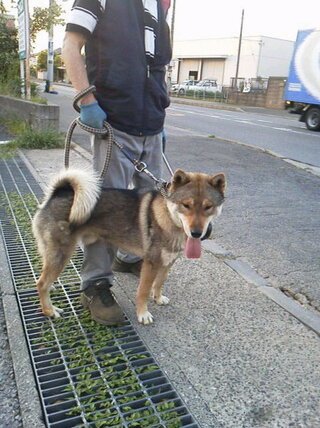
85 14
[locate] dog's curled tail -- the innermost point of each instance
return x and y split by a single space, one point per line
86 187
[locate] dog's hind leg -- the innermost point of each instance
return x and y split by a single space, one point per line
147 276
54 261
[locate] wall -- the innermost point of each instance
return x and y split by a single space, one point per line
275 92
271 98
39 116
189 65
275 57
213 69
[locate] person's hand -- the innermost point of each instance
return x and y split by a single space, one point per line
92 115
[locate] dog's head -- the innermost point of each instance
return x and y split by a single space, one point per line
194 199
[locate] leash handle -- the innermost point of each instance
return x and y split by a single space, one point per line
81 94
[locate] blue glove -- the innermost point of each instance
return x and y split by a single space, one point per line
92 115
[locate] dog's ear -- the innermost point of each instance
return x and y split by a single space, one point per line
180 178
219 182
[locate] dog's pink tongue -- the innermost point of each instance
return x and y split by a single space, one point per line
192 249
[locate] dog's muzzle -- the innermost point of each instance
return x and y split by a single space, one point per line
208 233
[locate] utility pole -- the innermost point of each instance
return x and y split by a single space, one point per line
239 50
28 83
173 17
50 58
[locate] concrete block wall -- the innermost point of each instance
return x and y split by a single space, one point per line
274 98
39 116
270 98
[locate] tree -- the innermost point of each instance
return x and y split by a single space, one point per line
42 61
44 18
9 58
2 7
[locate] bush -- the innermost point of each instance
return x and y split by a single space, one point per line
28 138
34 139
11 86
206 95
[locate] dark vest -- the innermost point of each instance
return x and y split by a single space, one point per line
132 93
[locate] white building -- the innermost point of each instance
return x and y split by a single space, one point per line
216 58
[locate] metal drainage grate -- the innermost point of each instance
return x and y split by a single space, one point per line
88 375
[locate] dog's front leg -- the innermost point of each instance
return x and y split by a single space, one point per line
161 276
147 276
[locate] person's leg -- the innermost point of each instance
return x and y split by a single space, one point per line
98 256
96 273
151 154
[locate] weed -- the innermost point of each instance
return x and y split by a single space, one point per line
40 139
28 138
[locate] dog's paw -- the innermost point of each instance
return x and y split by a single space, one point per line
56 312
145 318
162 300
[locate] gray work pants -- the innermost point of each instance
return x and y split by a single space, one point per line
121 174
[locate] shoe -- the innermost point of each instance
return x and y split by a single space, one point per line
120 266
98 298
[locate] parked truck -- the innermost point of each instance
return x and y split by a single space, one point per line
302 91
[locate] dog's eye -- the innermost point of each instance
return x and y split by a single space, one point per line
208 207
186 206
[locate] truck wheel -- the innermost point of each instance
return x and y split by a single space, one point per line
312 119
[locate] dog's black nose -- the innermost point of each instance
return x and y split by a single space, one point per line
196 233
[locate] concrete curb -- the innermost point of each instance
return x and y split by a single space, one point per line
251 276
30 408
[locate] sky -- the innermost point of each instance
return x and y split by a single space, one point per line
195 19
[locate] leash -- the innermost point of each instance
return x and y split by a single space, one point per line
161 185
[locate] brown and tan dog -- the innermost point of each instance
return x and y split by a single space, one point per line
154 227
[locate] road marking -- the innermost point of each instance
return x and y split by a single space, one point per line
293 131
175 114
248 123
282 129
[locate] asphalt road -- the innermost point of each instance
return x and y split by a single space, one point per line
282 133
278 132
271 215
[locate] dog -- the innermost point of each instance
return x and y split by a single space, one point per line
156 228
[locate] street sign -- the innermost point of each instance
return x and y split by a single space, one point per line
23 28
24 34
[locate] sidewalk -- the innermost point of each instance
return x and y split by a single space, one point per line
236 358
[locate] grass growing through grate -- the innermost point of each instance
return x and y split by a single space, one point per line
88 374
